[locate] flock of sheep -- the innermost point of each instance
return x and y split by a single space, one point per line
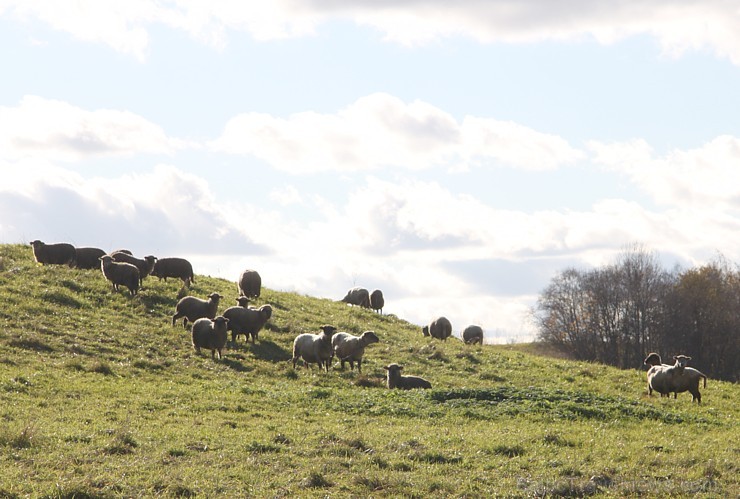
210 331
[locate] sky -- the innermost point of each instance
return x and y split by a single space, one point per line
456 155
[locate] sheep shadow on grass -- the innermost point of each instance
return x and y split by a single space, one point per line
267 350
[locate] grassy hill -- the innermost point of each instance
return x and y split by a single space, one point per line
101 397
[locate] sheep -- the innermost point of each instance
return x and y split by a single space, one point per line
439 328
349 348
677 378
357 296
247 320
314 348
54 254
249 284
88 258
396 380
377 301
144 265
472 334
120 273
192 308
210 334
174 267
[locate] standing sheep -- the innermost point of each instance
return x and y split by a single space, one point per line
174 267
145 265
377 302
250 284
349 348
314 348
439 328
210 334
88 258
247 320
54 254
120 273
357 296
677 378
472 334
192 308
396 380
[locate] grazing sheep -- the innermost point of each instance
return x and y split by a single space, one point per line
210 334
377 302
250 284
174 267
349 348
54 254
88 258
192 308
358 296
120 273
247 320
439 328
396 380
314 348
144 265
674 379
472 334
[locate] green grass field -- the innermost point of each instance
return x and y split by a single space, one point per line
101 397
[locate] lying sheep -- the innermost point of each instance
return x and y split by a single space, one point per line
349 348
54 254
675 379
472 334
174 267
250 284
439 328
192 308
210 334
357 296
247 320
377 302
88 258
120 273
145 265
314 348
396 380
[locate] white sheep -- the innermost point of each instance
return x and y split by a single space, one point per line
396 380
192 308
439 328
357 296
314 348
349 348
247 320
675 379
120 273
210 334
472 334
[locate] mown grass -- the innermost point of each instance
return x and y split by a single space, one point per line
101 397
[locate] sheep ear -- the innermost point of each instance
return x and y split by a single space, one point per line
688 358
386 367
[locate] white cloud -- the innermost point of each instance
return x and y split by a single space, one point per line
380 130
676 24
701 178
44 128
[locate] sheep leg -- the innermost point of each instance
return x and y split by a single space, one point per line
359 366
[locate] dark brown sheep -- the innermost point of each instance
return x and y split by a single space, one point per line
192 308
120 273
377 302
250 284
145 265
174 267
54 254
439 328
357 296
210 334
88 258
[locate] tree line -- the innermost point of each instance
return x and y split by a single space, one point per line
619 313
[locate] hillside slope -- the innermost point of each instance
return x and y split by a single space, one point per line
100 396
